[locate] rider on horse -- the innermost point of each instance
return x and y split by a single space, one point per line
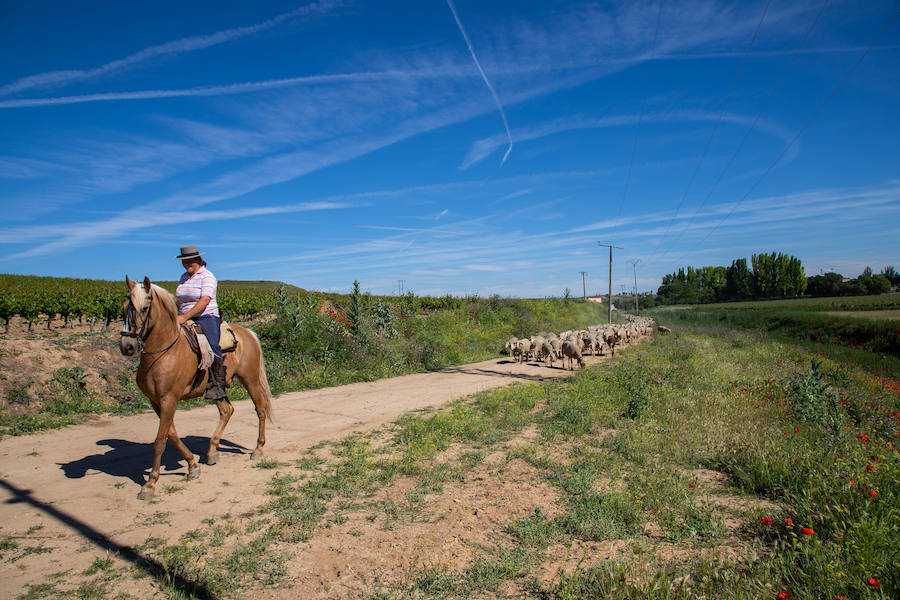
196 298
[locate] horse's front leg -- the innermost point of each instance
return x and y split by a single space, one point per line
166 411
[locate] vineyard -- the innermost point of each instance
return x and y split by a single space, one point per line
45 299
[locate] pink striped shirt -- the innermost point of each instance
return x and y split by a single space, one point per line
191 288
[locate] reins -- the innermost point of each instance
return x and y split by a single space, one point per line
129 322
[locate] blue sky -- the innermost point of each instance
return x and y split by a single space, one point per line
461 147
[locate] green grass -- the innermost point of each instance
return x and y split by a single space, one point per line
871 343
889 301
627 448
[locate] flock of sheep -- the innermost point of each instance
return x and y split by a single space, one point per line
572 345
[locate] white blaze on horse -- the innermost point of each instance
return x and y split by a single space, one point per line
168 372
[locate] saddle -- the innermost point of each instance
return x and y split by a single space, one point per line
200 345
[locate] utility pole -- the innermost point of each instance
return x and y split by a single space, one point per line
609 289
400 283
583 288
634 263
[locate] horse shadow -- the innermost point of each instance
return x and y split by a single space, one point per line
132 460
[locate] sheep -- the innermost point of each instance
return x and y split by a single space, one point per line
610 337
524 349
572 351
547 351
511 344
556 345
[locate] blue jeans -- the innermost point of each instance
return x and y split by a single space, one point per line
210 325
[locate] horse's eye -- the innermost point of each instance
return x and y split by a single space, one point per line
143 310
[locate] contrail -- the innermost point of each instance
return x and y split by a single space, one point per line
486 81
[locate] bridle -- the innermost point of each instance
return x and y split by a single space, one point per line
130 323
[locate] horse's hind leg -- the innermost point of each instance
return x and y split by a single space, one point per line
259 401
226 409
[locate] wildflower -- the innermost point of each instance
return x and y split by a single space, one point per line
807 531
870 468
690 485
766 521
873 582
782 595
873 493
863 437
789 522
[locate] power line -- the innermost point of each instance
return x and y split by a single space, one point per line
716 126
804 128
637 131
755 120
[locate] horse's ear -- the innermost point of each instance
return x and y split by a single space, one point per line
129 283
146 284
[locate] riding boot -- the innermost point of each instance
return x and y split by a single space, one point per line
215 384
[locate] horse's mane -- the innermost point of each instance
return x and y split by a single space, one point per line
166 299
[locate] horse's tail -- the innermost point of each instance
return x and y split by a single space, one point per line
264 384
263 380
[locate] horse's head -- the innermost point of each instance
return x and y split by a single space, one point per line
137 316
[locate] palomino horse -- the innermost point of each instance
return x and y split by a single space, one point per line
168 368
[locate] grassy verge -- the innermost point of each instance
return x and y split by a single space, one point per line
707 464
868 343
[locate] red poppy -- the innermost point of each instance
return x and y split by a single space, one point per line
873 582
863 437
788 522
873 493
870 468
807 531
766 521
690 485
782 595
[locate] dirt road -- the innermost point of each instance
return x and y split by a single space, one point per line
71 495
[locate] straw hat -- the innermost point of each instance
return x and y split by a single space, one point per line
189 252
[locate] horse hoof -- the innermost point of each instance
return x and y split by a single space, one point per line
194 473
145 494
256 455
212 458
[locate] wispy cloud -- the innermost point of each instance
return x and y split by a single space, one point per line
484 147
70 234
229 89
172 48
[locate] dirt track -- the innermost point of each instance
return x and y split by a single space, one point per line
73 492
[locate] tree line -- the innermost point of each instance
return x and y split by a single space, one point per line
834 284
772 275
768 275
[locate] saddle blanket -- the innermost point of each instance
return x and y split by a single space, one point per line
201 347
